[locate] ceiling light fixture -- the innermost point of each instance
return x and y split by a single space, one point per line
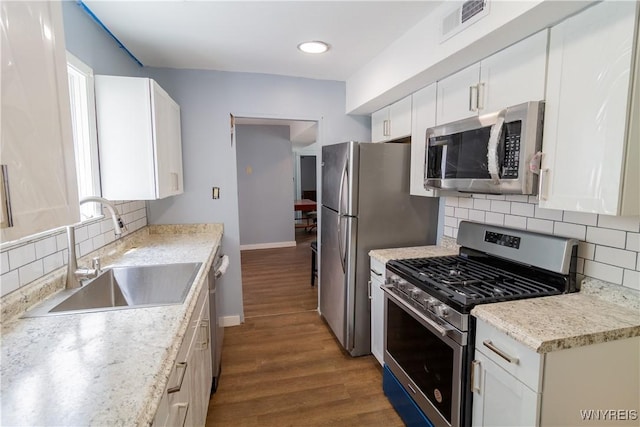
313 47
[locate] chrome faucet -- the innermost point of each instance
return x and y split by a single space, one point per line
75 274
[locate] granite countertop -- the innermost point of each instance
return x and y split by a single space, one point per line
446 247
102 368
600 312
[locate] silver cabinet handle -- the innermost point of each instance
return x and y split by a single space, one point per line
204 324
176 388
386 128
541 176
473 106
480 96
474 366
5 198
491 346
369 289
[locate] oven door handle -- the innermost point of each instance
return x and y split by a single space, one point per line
492 149
441 329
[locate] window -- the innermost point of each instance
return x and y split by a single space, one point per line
85 139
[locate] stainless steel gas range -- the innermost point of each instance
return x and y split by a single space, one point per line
429 333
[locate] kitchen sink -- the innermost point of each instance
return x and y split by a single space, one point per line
124 287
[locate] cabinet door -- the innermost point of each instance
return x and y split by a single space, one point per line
377 310
37 141
514 75
423 117
456 95
380 125
586 109
499 399
168 146
400 118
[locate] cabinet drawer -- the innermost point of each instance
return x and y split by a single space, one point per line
512 356
377 269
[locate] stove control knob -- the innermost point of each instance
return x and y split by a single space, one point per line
402 284
415 294
441 310
431 302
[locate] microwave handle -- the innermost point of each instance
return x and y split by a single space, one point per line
492 149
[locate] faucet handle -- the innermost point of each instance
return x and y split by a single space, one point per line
95 263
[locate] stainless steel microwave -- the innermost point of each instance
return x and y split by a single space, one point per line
487 154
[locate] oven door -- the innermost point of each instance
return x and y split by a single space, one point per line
486 154
426 360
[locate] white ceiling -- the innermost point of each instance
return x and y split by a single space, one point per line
259 36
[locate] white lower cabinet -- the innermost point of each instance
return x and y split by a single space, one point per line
186 397
376 296
515 386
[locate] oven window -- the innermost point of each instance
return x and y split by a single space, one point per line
423 356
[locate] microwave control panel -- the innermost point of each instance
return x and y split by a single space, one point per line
512 150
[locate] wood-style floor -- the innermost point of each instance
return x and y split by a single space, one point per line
283 367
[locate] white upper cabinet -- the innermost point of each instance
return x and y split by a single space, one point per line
39 187
509 77
423 117
591 137
392 122
139 139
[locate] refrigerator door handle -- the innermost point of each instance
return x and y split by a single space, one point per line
341 248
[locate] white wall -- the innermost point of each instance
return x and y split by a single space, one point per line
206 99
265 173
419 58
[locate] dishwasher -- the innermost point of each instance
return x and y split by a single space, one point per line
218 268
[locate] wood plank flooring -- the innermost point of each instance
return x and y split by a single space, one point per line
283 367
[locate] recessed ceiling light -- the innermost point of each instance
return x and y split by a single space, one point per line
313 47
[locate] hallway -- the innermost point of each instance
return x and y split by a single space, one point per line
283 367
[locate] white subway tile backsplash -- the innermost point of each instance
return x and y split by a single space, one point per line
46 247
633 242
9 282
22 255
580 266
4 262
106 226
583 218
522 209
30 272
496 197
462 213
455 233
475 215
53 262
479 196
517 198
98 241
574 231
533 200
494 218
627 223
61 241
617 257
500 206
515 221
94 229
606 237
451 222
482 204
631 279
85 247
81 234
540 225
604 272
465 202
449 211
586 250
447 231
451 201
550 214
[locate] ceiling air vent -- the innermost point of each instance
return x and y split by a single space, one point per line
464 14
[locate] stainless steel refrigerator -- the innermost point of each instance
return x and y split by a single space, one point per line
365 205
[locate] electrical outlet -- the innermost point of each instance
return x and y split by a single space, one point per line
215 193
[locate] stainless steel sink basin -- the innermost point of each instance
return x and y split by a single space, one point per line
125 287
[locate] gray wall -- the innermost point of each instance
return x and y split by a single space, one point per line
265 173
206 99
87 41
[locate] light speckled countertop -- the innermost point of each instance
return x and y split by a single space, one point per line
104 368
599 312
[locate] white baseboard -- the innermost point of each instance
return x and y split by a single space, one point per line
267 245
230 320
